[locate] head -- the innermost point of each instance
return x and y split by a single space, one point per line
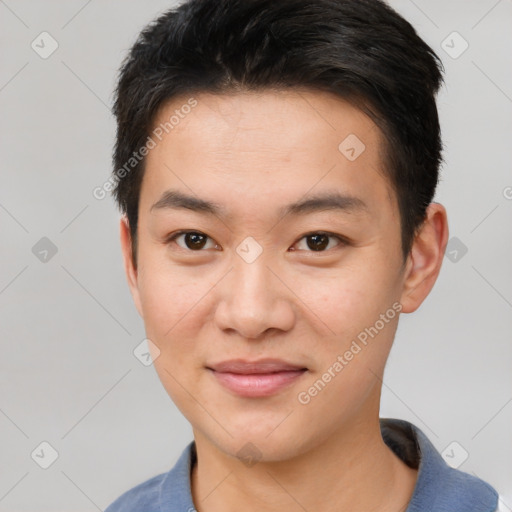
275 165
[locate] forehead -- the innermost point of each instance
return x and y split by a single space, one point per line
263 145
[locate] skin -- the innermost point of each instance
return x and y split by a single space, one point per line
253 153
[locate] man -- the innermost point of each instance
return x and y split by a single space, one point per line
276 163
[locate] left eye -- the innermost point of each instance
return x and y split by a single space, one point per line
319 242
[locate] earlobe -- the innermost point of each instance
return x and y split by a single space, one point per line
425 259
129 268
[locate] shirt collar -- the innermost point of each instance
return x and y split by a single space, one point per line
438 487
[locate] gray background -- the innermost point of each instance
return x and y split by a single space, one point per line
68 375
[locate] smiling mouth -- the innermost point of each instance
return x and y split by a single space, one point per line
258 378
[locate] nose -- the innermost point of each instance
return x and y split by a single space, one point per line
254 301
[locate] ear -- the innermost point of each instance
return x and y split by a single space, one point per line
425 259
129 268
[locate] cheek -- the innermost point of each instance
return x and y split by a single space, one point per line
172 306
168 297
358 311
348 301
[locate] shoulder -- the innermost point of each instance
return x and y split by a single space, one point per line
464 491
449 488
142 497
167 491
439 487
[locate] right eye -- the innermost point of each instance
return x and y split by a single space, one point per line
191 240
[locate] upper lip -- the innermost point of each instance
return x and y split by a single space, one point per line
242 366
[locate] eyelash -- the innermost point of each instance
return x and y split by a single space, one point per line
341 240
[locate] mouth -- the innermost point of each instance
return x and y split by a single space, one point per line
261 378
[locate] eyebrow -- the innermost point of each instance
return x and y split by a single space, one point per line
174 199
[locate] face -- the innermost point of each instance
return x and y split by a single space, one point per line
269 267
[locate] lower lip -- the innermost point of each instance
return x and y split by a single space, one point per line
257 384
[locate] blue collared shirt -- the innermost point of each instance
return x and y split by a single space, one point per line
439 488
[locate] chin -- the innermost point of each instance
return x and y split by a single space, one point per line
254 444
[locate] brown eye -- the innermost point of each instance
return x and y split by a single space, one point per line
319 242
192 240
195 240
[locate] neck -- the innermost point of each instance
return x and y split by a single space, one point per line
352 470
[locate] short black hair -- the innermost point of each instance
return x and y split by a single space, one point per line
361 50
